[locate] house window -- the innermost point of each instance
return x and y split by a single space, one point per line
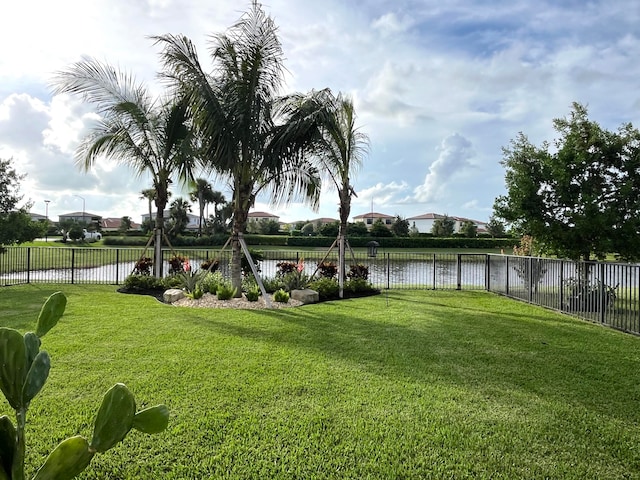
369 221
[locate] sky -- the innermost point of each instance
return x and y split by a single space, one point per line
439 87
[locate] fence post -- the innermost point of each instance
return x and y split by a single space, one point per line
459 272
530 279
388 255
435 279
561 285
603 295
28 264
117 264
73 262
487 272
506 276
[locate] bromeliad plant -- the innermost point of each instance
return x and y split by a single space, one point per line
296 278
191 280
24 369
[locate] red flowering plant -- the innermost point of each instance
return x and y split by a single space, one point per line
176 264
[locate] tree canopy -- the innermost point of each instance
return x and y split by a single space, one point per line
580 198
443 227
16 225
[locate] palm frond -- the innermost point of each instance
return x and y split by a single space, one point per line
101 85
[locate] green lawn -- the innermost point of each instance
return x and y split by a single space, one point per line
416 384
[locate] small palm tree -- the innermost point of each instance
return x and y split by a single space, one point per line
204 194
150 135
340 148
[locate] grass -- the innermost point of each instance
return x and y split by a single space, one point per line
429 384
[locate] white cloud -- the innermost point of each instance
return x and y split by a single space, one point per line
416 70
455 153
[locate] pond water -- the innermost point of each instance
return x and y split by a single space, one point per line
382 273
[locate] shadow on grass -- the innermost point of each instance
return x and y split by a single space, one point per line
499 349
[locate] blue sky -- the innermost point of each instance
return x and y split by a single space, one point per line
439 87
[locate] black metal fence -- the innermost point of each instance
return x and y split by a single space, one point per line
606 293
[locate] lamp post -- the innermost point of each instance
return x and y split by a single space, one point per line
46 214
83 210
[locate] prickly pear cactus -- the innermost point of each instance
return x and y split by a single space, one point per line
24 370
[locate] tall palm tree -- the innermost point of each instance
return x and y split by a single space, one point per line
202 193
149 135
340 148
233 111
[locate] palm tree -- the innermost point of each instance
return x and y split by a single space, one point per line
340 148
178 217
234 113
151 136
149 194
203 194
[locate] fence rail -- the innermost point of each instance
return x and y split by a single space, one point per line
606 293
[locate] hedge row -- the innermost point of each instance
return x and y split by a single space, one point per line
325 242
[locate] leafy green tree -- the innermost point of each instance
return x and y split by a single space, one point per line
443 227
249 135
379 229
496 228
150 136
16 225
581 198
400 227
469 229
357 229
125 224
329 229
308 229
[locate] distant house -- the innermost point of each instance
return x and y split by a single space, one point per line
191 226
372 217
113 224
81 217
424 223
260 216
36 217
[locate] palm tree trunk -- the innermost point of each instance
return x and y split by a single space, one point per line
341 262
344 211
161 203
240 216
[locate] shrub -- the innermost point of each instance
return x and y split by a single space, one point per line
272 284
253 293
295 281
327 288
281 296
226 291
172 281
211 281
142 282
358 285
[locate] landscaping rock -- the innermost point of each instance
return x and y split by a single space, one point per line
173 295
305 296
